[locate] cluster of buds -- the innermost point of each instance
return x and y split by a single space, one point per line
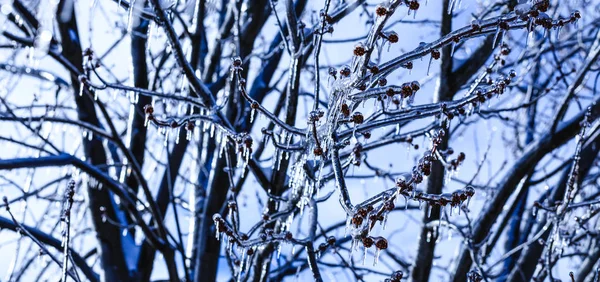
536 15
424 165
327 25
455 163
406 90
315 116
149 111
360 215
380 243
244 142
330 243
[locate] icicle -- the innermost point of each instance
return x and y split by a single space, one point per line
81 90
217 230
376 257
125 232
429 209
352 247
167 137
366 251
496 37
429 65
348 221
177 135
450 7
452 47
252 114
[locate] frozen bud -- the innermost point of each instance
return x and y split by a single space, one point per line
322 247
374 69
389 205
397 276
359 49
345 71
381 243
413 5
254 105
470 191
88 52
406 90
382 81
318 151
314 116
331 240
392 37
358 118
83 78
368 242
174 124
237 62
148 109
345 109
189 125
390 92
381 11
357 220
332 71
415 85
